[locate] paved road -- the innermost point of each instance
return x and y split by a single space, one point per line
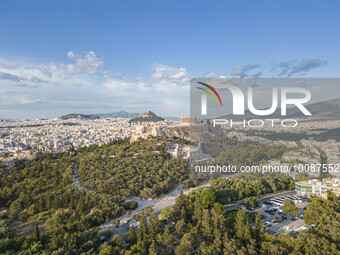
157 205
75 178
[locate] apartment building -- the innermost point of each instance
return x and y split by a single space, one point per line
317 187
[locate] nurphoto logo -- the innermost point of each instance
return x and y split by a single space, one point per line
239 100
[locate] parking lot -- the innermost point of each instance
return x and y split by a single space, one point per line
276 222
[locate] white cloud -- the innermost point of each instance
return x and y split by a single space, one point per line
18 99
209 74
85 86
290 68
35 75
85 62
243 70
165 74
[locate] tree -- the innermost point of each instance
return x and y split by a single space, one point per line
106 249
259 229
165 213
36 233
117 240
153 249
290 208
80 206
181 226
198 210
176 210
32 210
117 223
155 226
130 205
166 238
183 213
142 234
132 237
207 226
330 195
252 202
219 208
72 203
242 227
187 245
207 198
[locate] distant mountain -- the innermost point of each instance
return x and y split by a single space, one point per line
77 116
121 114
329 109
147 117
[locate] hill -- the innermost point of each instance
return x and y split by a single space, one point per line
78 116
329 109
121 114
148 116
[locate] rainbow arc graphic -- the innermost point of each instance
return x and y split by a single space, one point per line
209 93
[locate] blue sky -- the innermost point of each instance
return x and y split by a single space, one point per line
58 57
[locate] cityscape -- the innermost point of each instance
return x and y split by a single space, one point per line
169 127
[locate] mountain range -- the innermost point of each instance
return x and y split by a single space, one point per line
77 116
121 114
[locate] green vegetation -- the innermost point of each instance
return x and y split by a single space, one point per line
143 168
42 190
36 232
290 208
248 153
228 190
207 198
191 229
252 202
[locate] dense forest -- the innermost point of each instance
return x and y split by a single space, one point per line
65 217
228 190
143 169
42 191
197 224
249 153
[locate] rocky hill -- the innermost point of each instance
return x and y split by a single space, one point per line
121 114
148 116
78 116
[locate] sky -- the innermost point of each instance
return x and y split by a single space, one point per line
60 57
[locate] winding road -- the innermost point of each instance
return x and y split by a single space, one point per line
75 178
157 205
